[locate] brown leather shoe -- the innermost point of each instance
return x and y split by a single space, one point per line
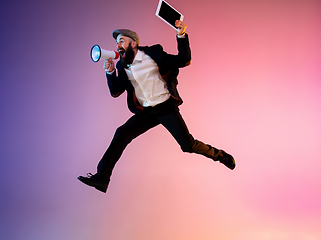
94 181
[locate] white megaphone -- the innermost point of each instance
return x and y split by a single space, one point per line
96 53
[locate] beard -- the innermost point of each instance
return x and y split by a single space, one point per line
127 57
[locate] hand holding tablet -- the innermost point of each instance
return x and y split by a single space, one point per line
181 26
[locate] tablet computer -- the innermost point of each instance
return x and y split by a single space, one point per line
168 14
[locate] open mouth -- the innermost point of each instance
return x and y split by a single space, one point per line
121 52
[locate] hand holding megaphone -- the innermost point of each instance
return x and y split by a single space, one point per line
109 66
97 53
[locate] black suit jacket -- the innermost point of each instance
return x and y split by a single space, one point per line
168 65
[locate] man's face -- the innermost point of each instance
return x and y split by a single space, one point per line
125 49
122 44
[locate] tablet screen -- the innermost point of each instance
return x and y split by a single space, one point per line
168 14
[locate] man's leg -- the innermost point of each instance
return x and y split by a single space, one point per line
175 124
135 126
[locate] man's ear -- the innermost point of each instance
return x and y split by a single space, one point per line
134 44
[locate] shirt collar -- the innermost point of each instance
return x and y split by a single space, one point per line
139 56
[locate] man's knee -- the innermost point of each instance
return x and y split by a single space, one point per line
188 146
188 149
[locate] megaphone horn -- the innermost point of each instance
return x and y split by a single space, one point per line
97 53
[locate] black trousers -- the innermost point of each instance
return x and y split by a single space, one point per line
168 115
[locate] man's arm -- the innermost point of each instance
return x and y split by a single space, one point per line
184 51
115 87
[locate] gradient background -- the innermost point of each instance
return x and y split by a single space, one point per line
253 89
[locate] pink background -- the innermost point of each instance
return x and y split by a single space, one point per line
253 89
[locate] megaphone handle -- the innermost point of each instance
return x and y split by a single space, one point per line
109 65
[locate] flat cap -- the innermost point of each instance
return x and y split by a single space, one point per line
127 33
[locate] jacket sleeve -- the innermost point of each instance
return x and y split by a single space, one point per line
184 51
171 62
114 84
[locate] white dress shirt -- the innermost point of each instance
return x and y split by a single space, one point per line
150 87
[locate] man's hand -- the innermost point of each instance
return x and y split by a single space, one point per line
109 65
181 27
